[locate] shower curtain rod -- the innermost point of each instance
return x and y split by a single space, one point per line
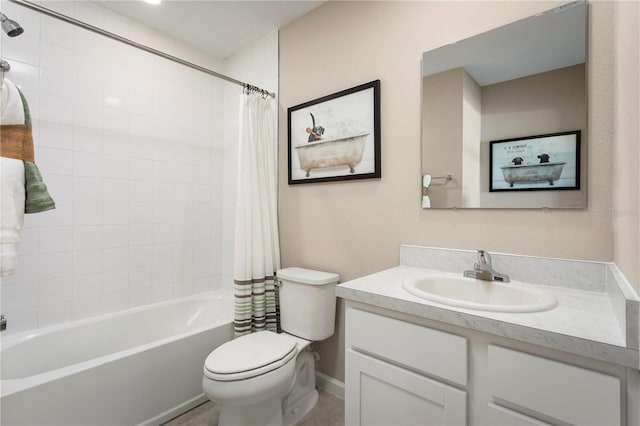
137 45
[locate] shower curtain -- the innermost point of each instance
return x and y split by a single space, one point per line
257 246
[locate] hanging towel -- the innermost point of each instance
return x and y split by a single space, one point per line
12 193
22 190
37 198
11 213
17 143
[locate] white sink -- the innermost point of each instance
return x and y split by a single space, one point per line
470 293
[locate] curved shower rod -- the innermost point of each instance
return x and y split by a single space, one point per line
65 18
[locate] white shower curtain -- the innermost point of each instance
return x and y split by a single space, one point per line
257 246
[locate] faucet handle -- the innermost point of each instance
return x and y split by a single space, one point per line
484 257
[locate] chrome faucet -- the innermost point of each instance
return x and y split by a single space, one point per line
483 269
3 322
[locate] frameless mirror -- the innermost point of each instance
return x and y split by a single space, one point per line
504 116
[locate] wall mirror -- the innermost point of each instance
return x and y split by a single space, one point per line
497 109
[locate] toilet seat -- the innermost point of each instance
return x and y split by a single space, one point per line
250 356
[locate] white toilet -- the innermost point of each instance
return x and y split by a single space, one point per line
267 378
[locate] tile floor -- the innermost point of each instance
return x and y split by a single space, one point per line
328 412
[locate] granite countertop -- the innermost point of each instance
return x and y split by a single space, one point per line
584 322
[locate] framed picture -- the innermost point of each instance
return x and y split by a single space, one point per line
336 137
535 163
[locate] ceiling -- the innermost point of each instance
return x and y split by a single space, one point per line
219 28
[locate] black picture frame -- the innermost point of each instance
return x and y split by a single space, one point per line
336 137
535 163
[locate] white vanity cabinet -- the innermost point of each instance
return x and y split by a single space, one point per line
405 370
394 377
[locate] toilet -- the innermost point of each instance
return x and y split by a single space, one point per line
267 378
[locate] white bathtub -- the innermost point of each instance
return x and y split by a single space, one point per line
140 366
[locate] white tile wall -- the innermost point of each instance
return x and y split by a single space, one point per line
130 146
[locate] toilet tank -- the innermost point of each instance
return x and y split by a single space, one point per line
307 302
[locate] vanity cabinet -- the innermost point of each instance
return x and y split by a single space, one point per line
406 370
393 375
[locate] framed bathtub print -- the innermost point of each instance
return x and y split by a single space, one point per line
336 137
535 163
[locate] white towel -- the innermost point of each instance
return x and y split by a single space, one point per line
12 194
11 213
426 182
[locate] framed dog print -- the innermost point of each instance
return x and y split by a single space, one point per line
336 137
535 163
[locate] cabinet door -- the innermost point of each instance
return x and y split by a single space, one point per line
379 393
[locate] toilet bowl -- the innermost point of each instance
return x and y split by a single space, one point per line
267 378
261 379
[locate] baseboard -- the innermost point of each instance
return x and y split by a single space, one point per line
175 411
330 384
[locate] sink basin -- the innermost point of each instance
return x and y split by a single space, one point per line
470 293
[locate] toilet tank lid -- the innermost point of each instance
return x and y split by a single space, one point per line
307 276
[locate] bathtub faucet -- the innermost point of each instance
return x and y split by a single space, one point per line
483 269
3 322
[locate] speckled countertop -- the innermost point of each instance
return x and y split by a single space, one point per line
585 322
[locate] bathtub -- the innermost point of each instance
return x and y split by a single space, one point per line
533 173
140 366
346 151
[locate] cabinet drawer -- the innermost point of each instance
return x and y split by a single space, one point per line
500 416
430 351
565 392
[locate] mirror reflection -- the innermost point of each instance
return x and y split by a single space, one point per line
520 82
